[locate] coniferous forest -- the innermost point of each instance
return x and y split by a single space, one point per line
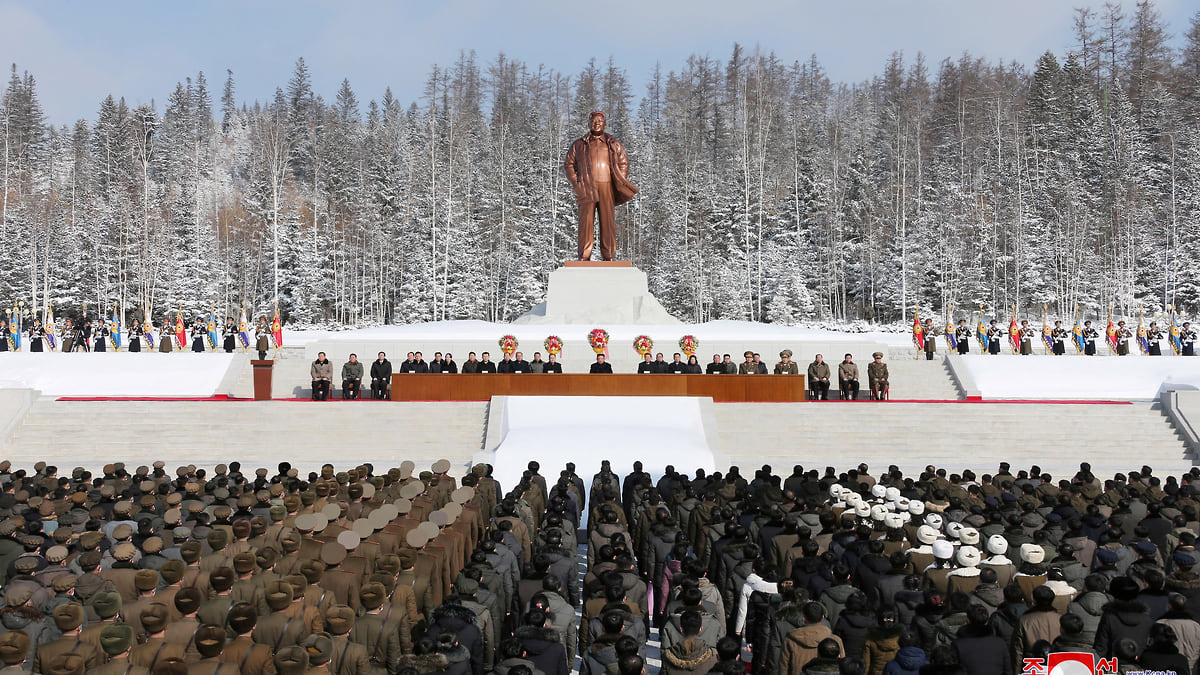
768 192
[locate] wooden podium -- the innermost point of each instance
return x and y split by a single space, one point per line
722 388
262 378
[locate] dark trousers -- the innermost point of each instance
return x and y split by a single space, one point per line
929 353
1059 348
964 346
379 389
608 229
350 389
135 345
850 390
994 346
1154 350
262 356
1089 348
820 391
100 346
1188 349
320 390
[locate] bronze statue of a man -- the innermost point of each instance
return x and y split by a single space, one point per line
597 167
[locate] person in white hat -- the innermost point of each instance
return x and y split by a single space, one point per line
937 573
997 546
921 556
965 577
1031 573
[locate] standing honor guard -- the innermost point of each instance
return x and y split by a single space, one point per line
262 338
1187 337
1154 338
994 333
5 339
199 331
962 335
930 339
68 335
166 340
1059 336
1026 338
36 335
100 336
135 336
229 335
1123 337
1090 335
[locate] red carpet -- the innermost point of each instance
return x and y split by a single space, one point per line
225 398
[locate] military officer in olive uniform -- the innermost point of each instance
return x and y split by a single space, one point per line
877 375
786 365
930 339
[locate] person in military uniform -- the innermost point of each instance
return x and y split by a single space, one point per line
786 365
1124 335
349 657
166 337
1154 338
962 337
15 646
1187 337
229 336
1058 335
930 339
249 657
1026 333
848 378
199 332
748 365
210 642
877 375
117 640
68 336
37 334
68 619
1090 335
155 649
262 338
135 336
380 639
994 334
100 336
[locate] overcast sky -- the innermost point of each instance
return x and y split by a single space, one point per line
81 50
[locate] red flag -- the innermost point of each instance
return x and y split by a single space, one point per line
1014 335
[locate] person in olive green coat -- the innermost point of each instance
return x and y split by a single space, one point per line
786 365
930 339
877 375
352 373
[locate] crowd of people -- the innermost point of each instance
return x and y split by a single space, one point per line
1024 337
353 373
360 572
86 336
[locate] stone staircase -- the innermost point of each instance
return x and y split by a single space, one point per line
290 377
918 380
308 434
1057 437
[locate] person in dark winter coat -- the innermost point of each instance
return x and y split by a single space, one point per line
854 624
381 377
909 658
542 645
827 661
691 656
1124 617
1089 606
602 652
425 658
512 654
1072 638
979 650
458 659
1162 655
452 617
1004 620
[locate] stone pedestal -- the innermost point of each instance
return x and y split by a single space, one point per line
598 293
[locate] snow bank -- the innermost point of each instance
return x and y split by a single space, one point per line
587 429
1081 377
116 373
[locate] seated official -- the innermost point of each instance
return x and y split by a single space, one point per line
848 378
786 365
600 366
676 366
647 365
381 377
520 365
352 373
552 366
877 372
505 366
716 367
409 364
693 366
818 378
471 365
322 376
448 364
486 365
537 366
435 366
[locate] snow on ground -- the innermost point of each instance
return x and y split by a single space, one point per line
1081 377
115 373
586 429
